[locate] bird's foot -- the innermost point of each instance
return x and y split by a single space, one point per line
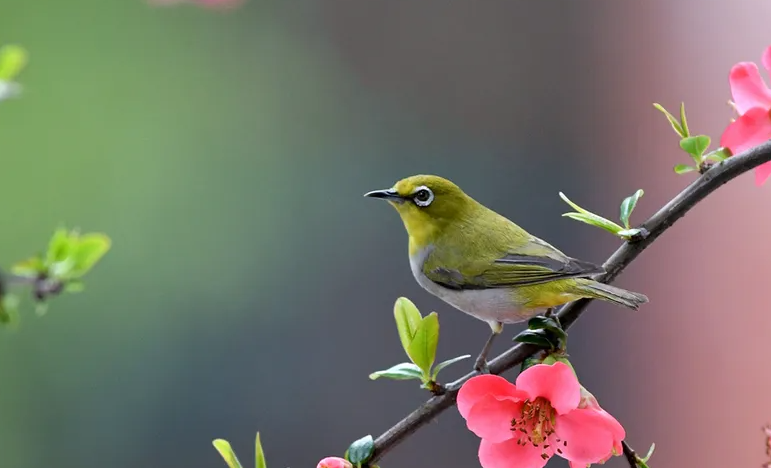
480 365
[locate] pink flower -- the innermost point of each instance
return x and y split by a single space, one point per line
752 99
334 462
523 425
588 401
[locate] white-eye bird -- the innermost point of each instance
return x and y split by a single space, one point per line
485 265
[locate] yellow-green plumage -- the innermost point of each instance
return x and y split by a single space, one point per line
484 264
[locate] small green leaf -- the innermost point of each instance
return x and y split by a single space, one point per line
446 363
59 247
74 286
361 450
407 321
88 250
684 121
13 58
672 120
403 371
422 350
540 322
684 169
695 146
650 453
719 155
259 455
628 205
572 205
31 267
9 310
596 221
534 337
226 451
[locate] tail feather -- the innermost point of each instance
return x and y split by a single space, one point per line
609 293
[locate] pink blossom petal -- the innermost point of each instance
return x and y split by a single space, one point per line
748 88
766 59
588 434
557 383
490 418
749 130
477 387
762 173
334 462
509 454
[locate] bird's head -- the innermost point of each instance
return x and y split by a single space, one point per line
427 204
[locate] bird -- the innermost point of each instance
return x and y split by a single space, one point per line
485 265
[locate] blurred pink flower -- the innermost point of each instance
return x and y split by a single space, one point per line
221 4
752 99
523 425
334 462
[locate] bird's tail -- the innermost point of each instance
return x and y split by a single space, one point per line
606 292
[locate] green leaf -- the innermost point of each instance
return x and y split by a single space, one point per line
422 349
534 337
259 455
684 121
650 453
596 221
9 311
540 322
695 146
628 205
226 451
719 155
684 168
88 250
13 58
74 286
59 247
403 371
31 267
446 363
361 450
407 321
672 120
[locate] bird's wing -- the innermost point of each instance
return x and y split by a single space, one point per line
536 263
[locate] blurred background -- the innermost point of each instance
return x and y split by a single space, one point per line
250 286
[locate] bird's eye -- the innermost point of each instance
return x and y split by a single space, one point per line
423 197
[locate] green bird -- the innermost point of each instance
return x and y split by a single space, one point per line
483 264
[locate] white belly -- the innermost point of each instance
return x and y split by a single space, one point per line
490 305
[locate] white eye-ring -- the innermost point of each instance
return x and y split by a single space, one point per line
423 196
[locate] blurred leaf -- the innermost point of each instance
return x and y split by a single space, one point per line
684 168
534 337
361 450
403 371
446 363
628 205
74 286
13 58
672 120
9 311
41 308
259 455
422 350
408 320
226 451
31 267
695 146
684 121
88 250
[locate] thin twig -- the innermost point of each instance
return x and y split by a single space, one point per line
707 183
630 454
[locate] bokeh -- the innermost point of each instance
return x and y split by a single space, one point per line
250 286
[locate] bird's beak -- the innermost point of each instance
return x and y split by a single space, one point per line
389 194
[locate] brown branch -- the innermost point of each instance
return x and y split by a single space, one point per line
707 183
630 454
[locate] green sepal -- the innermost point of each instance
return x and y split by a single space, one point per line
403 371
227 453
672 120
695 146
628 205
422 349
684 169
360 451
408 320
530 361
446 363
535 337
259 454
13 59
